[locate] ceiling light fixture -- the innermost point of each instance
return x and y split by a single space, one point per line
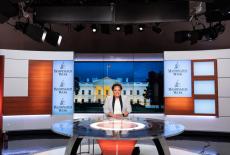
94 28
35 32
118 27
53 38
141 27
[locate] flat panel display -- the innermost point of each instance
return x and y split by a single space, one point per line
142 83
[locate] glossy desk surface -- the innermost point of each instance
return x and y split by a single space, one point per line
128 128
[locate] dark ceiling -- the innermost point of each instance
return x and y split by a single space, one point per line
96 2
170 18
112 11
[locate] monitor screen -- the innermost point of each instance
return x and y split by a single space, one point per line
142 83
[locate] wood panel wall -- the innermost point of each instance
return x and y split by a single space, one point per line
201 78
185 105
39 100
179 106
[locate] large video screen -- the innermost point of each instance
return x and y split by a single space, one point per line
142 83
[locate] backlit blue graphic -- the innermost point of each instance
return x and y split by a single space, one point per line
62 87
204 106
134 71
177 78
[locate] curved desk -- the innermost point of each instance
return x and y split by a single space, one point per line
118 130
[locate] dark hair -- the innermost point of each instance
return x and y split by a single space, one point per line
117 84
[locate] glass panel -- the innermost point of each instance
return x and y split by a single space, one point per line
203 68
204 106
89 98
132 128
204 87
148 87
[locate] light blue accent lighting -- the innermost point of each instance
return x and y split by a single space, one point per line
204 68
63 87
204 87
203 106
177 78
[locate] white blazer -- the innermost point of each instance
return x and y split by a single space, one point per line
108 105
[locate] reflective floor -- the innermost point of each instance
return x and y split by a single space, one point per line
28 143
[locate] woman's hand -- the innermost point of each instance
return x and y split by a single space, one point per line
117 116
125 114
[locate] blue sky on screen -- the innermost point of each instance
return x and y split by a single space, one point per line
134 71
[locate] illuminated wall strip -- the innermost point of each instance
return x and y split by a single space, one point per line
206 87
178 87
204 68
204 106
1 89
177 79
63 73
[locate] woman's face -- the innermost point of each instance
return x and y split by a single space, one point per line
117 91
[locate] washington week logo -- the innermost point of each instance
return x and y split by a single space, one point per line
179 75
62 84
176 65
177 89
62 87
177 84
62 101
177 71
62 66
62 107
63 70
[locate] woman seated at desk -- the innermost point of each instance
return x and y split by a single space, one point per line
117 106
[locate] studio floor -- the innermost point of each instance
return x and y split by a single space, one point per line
26 143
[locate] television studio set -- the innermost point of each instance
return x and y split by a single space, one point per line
114 77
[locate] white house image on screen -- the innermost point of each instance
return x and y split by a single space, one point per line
97 90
